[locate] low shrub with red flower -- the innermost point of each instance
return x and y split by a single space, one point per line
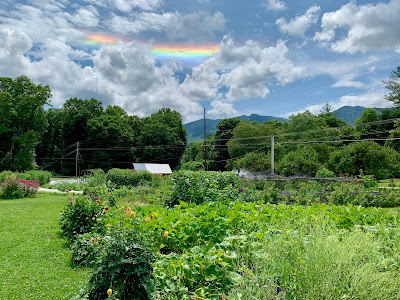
13 188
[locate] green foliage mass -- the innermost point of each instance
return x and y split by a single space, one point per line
302 161
325 173
373 159
127 177
200 187
254 162
23 121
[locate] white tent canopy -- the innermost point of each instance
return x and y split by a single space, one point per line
153 168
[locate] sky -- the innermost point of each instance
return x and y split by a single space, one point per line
267 57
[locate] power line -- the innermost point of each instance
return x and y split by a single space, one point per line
332 81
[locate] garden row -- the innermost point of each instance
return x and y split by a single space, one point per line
211 236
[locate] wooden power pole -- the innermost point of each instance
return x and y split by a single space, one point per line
205 142
76 159
272 155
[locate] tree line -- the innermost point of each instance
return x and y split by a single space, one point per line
34 137
307 143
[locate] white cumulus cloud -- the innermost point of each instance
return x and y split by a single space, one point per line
365 27
299 24
275 5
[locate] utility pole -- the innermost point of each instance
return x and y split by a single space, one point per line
205 142
76 159
272 155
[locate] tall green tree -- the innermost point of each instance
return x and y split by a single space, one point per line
162 138
393 85
23 121
219 152
110 130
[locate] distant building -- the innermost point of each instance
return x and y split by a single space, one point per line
163 169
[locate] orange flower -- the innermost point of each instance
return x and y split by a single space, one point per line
148 219
166 234
133 213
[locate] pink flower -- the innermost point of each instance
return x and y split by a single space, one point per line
97 201
106 208
90 194
97 197
67 191
72 202
70 198
109 194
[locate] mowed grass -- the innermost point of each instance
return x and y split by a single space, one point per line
386 182
34 261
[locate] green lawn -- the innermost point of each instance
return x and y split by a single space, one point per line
34 260
386 182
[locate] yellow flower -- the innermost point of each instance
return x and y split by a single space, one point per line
108 225
166 234
133 213
152 217
147 219
109 292
128 209
92 240
93 218
122 207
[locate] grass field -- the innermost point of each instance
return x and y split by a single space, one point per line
34 259
386 182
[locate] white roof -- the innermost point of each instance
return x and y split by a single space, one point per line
153 168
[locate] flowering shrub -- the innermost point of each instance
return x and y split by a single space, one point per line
80 216
87 248
18 188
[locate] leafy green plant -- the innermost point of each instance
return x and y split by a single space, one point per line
4 174
124 269
128 177
200 187
324 173
368 181
81 215
42 176
86 248
192 166
96 177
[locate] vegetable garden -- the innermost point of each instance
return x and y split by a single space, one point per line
211 236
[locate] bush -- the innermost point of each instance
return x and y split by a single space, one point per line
87 248
127 177
97 177
4 174
124 268
368 181
255 162
302 161
199 187
14 188
382 162
42 176
81 216
325 173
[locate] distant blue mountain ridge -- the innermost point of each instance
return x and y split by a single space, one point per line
195 130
